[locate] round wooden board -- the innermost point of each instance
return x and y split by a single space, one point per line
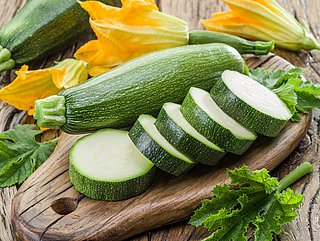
47 207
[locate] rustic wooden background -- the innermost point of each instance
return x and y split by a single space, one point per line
307 225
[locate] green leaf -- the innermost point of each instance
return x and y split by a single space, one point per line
300 96
21 154
288 95
308 94
251 201
276 78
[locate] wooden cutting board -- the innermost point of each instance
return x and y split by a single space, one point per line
47 207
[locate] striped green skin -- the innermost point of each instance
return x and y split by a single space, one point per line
242 45
155 153
243 113
212 130
186 143
42 27
110 191
104 190
115 99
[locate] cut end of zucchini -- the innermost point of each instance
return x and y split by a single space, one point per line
106 165
148 123
6 62
157 149
173 110
50 112
185 138
256 95
207 104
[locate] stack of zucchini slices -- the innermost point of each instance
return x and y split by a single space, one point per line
114 165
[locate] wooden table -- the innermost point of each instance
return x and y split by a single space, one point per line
306 226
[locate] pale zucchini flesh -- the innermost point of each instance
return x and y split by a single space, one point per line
250 103
106 165
207 118
157 149
175 128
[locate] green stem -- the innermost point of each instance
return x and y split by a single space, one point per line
263 48
302 170
6 62
50 112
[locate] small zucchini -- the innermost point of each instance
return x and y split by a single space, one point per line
41 28
107 166
207 118
242 45
157 149
250 103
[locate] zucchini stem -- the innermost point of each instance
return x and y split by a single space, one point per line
302 170
50 112
6 62
263 48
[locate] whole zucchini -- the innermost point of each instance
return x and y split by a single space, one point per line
141 86
40 28
242 45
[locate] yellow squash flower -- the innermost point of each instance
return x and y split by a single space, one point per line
262 20
128 32
31 85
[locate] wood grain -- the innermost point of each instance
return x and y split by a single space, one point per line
306 226
47 207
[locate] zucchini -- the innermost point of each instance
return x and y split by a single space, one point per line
157 149
207 118
41 28
174 127
107 166
141 86
242 45
250 103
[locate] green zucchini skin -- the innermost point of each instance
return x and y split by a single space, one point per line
42 27
185 143
156 154
109 190
100 190
116 98
243 113
212 130
242 45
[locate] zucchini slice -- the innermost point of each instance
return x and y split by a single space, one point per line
250 103
157 149
207 118
176 129
106 165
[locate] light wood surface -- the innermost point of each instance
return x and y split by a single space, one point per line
306 226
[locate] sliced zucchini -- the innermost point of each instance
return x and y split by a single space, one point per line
157 149
207 118
106 165
176 129
250 103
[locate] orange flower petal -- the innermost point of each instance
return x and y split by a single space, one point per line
98 10
33 85
70 73
28 87
134 30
